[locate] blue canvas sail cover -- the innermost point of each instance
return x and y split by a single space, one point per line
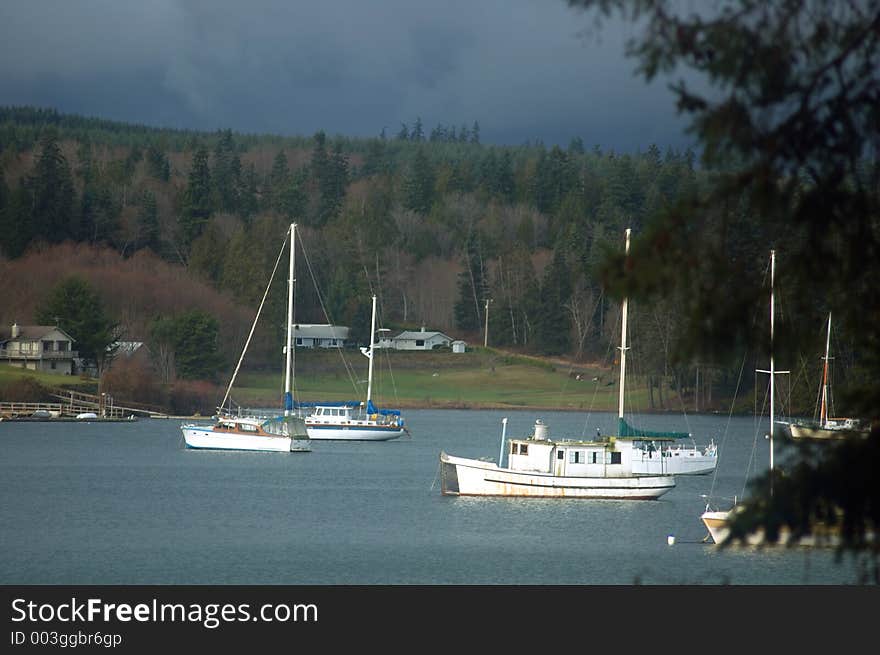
371 408
624 429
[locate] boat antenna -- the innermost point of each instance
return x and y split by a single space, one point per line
623 349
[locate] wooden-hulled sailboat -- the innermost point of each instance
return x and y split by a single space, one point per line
276 433
827 427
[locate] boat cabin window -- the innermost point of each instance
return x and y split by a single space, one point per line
523 449
615 458
595 457
560 454
247 427
514 448
576 456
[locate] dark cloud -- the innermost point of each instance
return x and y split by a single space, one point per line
522 68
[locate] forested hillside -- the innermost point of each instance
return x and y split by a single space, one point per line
164 222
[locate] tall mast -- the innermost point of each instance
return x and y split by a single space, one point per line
623 348
823 412
370 355
773 372
288 369
772 369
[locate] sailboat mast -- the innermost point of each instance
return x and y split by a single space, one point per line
372 336
288 369
623 347
772 368
823 412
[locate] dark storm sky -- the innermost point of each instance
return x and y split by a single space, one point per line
523 68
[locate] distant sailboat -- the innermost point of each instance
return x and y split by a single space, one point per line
360 422
276 433
827 426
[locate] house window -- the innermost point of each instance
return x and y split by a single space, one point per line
299 341
420 342
52 364
47 346
615 458
61 346
560 454
523 449
595 457
513 449
575 456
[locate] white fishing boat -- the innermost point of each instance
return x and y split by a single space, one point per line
276 432
717 522
827 427
356 421
538 466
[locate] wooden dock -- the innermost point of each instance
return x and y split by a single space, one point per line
75 403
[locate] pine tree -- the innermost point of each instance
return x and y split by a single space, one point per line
553 325
77 309
197 205
53 195
472 289
148 223
226 174
419 184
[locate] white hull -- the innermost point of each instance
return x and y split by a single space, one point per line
470 477
353 432
685 462
716 524
207 438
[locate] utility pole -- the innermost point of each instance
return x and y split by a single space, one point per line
486 330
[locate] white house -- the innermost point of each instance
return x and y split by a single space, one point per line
38 347
459 346
420 340
319 336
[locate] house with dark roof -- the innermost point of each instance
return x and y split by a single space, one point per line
45 348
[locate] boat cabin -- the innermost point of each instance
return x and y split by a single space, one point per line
570 457
273 427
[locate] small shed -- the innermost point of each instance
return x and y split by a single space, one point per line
459 346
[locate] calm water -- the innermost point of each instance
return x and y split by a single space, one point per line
128 504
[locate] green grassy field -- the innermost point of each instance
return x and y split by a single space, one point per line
14 374
478 379
481 379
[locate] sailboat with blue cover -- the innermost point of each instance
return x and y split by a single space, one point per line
354 420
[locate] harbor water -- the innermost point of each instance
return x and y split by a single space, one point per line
128 504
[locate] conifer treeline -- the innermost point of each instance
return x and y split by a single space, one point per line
435 224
